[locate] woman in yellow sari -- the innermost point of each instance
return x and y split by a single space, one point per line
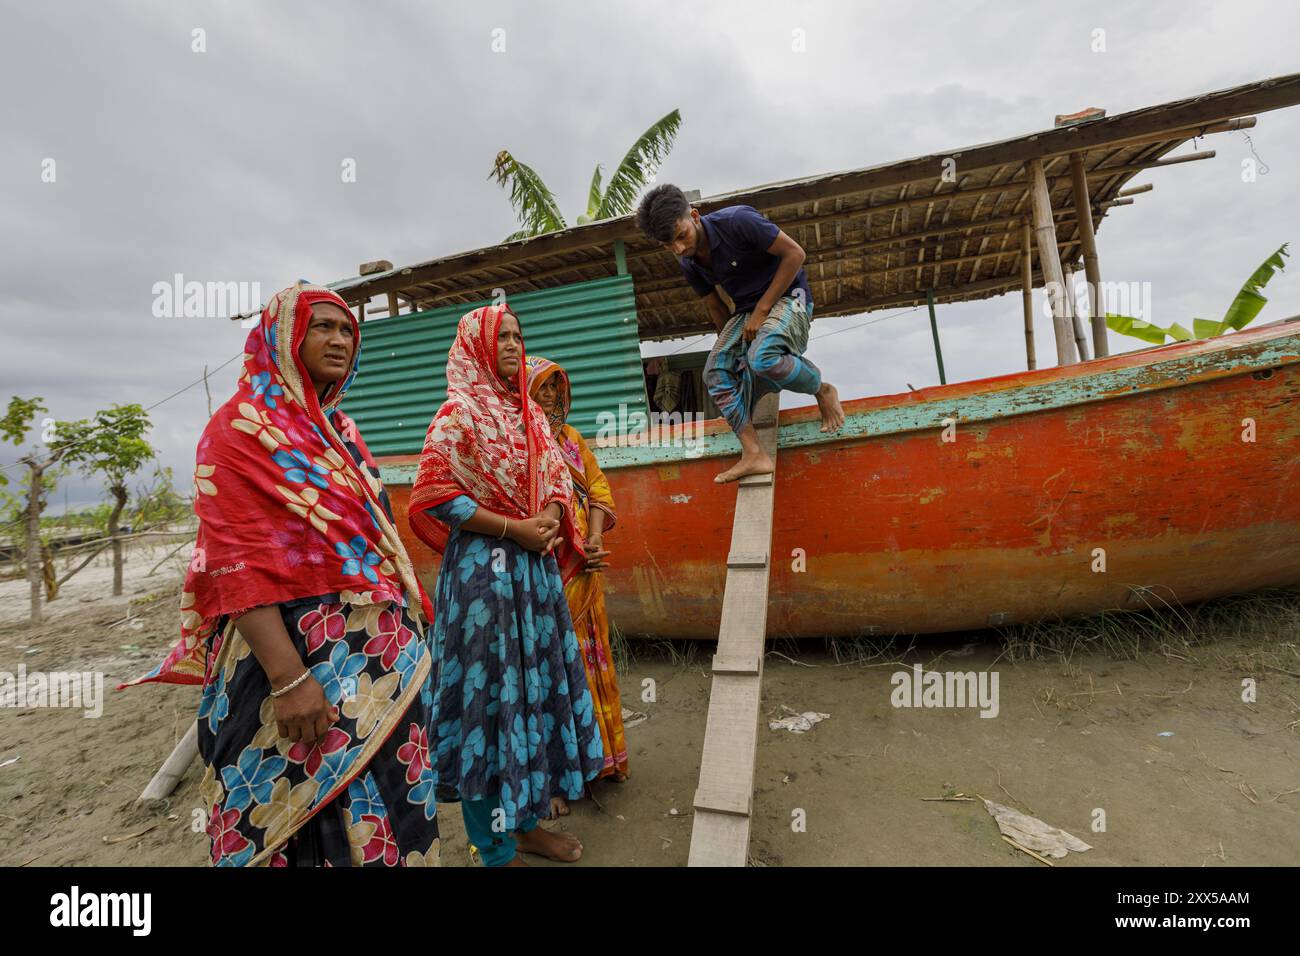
593 512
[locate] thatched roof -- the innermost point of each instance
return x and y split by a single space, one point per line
875 238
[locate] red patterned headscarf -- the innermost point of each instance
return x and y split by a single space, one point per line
490 441
284 512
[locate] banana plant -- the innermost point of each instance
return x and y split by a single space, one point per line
535 205
1243 310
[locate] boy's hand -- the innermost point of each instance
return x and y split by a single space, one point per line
754 323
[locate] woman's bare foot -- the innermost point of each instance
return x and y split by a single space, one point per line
828 401
618 777
559 808
515 861
756 464
554 845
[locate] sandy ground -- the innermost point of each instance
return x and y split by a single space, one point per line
1069 739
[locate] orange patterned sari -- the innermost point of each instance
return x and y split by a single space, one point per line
586 590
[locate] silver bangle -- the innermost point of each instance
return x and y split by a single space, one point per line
292 684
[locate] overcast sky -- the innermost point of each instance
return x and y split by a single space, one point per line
225 165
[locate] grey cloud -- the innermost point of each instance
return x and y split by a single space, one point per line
225 165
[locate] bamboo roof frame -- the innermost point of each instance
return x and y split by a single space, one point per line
878 237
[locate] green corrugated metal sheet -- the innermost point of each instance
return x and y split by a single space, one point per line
588 327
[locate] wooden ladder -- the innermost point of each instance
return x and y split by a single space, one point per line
724 800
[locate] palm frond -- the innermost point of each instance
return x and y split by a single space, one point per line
533 203
640 163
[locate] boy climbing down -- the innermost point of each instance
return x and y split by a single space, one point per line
759 348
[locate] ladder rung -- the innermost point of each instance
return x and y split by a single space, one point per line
741 666
750 481
747 559
738 805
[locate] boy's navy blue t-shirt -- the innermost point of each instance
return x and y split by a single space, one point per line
739 237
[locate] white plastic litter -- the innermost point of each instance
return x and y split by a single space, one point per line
798 723
1033 833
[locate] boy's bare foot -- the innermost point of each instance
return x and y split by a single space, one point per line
758 464
559 808
828 401
554 845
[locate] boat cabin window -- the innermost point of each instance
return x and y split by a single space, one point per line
675 383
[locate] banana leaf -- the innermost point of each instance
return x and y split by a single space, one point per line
1205 329
634 171
1249 301
1241 312
594 193
1127 325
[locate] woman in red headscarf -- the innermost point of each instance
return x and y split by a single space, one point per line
302 617
513 722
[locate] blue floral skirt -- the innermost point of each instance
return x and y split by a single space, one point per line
361 796
512 716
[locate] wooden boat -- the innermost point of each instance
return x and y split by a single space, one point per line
1135 463
1118 482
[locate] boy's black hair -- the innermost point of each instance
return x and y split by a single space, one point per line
659 211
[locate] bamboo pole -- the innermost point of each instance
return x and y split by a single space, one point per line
1091 268
1050 261
1076 321
934 330
1027 288
173 768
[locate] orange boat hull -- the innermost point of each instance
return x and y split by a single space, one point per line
1121 483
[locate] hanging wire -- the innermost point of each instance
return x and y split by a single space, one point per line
1263 166
824 335
179 391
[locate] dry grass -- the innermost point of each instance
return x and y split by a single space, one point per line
1264 619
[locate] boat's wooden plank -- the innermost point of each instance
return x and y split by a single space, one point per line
751 531
731 736
737 803
719 839
724 799
735 664
744 612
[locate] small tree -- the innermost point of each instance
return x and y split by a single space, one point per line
58 440
115 447
157 501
